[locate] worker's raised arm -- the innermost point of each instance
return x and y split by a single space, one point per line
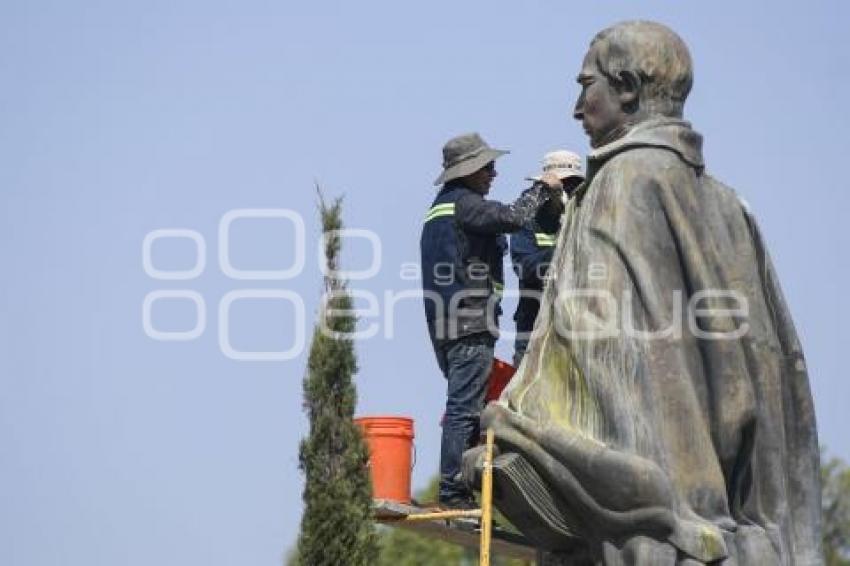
476 214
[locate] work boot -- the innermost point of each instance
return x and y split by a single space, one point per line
461 503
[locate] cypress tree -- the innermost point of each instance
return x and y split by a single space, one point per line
337 526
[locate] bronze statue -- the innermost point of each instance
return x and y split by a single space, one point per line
662 414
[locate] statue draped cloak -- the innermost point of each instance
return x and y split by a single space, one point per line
664 401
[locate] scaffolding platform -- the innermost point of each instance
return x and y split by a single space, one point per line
457 527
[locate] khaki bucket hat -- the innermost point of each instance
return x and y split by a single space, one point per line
562 163
464 155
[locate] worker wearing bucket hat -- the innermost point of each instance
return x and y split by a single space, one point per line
462 246
464 155
532 246
566 165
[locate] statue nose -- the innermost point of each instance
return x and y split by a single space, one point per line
578 109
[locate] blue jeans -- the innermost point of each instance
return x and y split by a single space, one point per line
466 364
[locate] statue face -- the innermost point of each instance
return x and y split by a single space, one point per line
598 106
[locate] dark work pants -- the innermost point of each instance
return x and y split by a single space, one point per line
520 346
465 363
523 333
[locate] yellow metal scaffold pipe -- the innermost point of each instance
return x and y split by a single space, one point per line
487 500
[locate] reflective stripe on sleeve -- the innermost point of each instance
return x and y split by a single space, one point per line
445 209
544 240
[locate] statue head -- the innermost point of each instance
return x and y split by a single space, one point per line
632 71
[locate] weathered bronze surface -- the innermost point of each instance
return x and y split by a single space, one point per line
662 414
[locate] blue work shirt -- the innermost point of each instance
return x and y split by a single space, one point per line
462 247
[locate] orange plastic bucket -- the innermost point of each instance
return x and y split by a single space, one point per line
390 441
500 375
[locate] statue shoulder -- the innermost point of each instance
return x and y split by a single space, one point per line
631 173
728 196
648 159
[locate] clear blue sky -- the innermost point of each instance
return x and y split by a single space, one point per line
120 118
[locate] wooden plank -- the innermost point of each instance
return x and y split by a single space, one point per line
464 532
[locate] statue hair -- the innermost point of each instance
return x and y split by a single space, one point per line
656 55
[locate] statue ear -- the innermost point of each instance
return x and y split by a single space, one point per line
629 90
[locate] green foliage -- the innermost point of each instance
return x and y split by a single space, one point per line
835 497
400 547
337 526
405 548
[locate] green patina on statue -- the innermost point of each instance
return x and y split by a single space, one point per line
662 414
